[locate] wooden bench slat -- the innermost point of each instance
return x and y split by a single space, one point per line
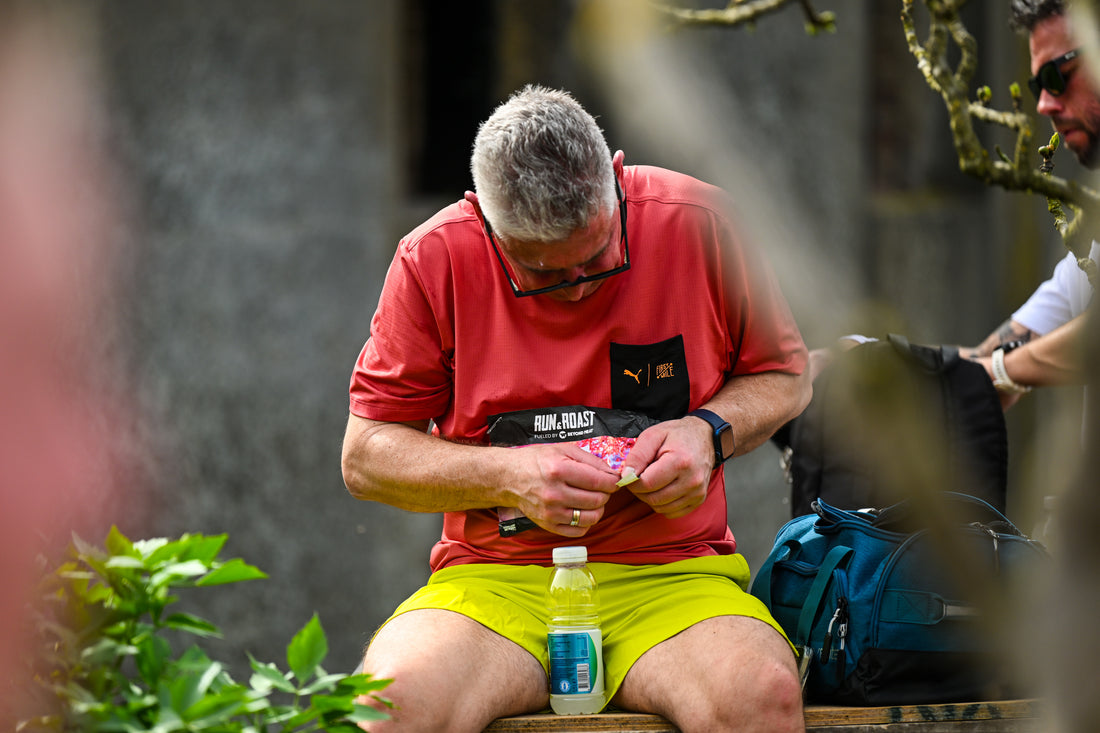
1001 716
826 715
618 722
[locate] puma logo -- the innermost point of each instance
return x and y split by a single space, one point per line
628 373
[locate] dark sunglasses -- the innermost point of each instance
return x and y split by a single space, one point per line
1050 76
520 293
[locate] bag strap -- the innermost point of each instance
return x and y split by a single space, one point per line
812 604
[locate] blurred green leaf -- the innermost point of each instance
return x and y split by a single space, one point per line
153 653
361 684
266 676
177 571
118 544
191 624
328 682
365 713
233 571
148 549
106 661
205 549
125 561
307 649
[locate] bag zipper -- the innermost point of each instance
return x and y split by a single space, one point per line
839 622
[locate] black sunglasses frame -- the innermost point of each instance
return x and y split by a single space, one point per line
569 283
1050 76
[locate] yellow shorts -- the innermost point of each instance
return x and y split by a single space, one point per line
640 605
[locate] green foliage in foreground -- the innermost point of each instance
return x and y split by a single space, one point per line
107 660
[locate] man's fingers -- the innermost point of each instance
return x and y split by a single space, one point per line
627 477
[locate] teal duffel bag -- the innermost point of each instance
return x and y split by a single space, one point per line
887 611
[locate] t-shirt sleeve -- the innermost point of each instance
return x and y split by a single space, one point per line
404 370
765 336
1051 304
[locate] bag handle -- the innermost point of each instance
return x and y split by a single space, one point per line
966 509
812 604
832 515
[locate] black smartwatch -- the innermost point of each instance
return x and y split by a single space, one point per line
723 435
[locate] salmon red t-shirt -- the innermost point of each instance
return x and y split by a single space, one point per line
450 342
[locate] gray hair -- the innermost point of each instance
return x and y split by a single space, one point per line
541 166
1026 14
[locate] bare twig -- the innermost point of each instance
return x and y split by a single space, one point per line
746 12
1017 173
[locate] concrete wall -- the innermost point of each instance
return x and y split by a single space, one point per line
267 142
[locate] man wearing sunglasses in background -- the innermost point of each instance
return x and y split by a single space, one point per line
1041 344
570 279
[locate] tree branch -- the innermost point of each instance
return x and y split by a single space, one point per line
1014 174
746 12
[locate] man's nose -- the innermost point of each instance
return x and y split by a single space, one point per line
572 294
575 273
1048 104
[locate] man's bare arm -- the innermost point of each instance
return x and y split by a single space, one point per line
1056 358
1008 331
756 405
402 465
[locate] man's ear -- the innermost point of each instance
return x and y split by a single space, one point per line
471 198
617 163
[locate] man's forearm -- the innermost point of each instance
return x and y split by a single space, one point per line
1008 331
1056 358
403 466
756 405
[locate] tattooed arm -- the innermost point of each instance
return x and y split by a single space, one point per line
1008 331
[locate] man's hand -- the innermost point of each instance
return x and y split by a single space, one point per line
558 478
673 461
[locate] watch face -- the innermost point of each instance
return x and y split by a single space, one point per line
725 436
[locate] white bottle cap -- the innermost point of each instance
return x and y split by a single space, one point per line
564 555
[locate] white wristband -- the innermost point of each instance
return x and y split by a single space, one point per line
1001 380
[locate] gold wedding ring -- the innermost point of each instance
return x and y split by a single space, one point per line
576 518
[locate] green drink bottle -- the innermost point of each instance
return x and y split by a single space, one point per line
573 635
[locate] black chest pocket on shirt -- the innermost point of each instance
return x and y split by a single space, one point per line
651 378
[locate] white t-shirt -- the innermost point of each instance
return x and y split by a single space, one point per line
1060 299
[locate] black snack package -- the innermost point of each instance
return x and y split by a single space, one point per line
563 424
571 423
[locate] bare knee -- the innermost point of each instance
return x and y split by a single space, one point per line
402 698
725 673
776 692
767 700
450 674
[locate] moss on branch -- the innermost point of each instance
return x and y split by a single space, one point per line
1017 173
747 12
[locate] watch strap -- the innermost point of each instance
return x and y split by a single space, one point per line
1001 380
718 425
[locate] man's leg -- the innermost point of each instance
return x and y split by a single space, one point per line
730 673
450 673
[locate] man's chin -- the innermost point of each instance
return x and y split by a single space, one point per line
1090 157
1088 153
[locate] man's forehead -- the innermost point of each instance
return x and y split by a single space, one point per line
582 246
1049 39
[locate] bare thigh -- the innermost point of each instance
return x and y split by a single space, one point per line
725 673
450 673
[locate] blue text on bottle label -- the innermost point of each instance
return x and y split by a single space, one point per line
574 661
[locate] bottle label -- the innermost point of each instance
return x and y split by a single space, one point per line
576 664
